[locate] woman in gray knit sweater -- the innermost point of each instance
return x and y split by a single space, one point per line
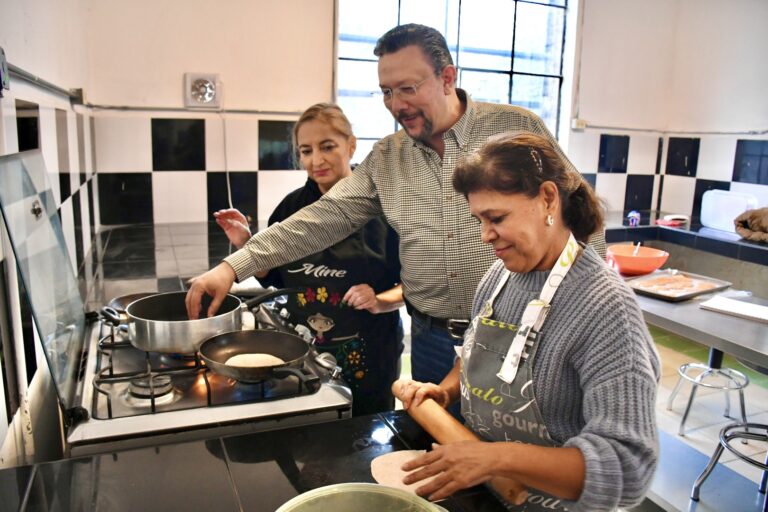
558 357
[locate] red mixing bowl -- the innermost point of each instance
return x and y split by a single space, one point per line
622 258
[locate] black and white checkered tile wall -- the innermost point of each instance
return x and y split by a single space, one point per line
154 168
652 171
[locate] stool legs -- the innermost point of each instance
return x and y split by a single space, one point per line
734 381
707 470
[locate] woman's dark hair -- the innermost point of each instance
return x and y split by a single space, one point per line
518 163
428 39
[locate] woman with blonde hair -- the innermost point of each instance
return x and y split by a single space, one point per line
353 285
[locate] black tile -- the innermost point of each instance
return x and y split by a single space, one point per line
178 144
62 143
132 251
275 147
659 150
750 164
701 187
682 156
590 178
719 247
133 269
677 236
27 125
244 190
78 220
81 146
91 209
754 252
125 198
639 192
642 234
614 151
615 235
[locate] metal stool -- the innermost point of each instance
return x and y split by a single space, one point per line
754 431
734 381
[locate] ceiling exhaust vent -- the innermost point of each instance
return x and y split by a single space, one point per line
202 90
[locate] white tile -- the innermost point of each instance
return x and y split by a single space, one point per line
242 143
677 194
214 144
759 191
123 144
642 154
74 160
273 187
179 196
49 149
9 140
584 150
716 156
611 188
87 146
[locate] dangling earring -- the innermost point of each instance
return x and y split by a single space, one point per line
550 220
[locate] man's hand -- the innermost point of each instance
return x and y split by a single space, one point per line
235 226
216 283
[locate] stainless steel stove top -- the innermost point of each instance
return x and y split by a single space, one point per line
198 402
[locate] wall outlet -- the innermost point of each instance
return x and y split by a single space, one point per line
5 80
578 124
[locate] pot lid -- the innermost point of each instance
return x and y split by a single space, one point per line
45 270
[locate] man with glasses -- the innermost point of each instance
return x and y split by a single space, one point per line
406 178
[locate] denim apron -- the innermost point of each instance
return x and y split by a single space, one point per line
496 376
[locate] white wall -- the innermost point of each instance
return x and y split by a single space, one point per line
272 55
47 38
673 65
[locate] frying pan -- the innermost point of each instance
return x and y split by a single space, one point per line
216 350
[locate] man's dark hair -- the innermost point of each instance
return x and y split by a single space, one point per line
428 39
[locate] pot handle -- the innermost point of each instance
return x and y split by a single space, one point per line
111 315
252 303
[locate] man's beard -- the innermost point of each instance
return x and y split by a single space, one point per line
426 131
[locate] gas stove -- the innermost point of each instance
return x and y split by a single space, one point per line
133 398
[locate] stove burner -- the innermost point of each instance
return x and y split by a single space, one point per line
161 386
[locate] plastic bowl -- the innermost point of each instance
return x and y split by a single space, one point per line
622 258
358 497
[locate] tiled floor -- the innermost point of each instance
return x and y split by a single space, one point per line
706 417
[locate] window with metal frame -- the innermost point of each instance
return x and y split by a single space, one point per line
506 51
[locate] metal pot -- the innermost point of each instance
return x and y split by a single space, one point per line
159 323
353 497
215 351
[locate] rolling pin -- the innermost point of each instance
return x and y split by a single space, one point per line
445 429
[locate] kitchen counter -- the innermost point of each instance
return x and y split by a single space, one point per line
692 235
255 472
260 471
